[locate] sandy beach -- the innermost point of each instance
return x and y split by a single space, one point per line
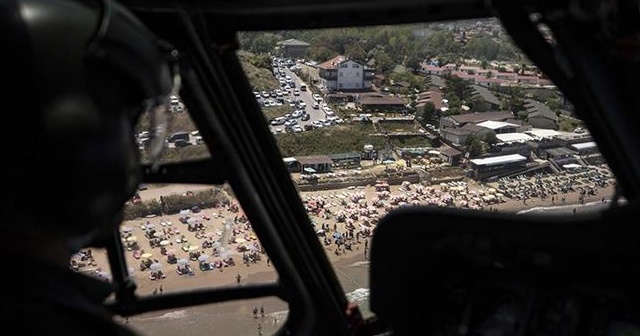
330 211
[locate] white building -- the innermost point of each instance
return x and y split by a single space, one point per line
342 74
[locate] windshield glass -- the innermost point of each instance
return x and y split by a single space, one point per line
183 140
367 120
447 114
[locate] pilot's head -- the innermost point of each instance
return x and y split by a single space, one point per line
78 74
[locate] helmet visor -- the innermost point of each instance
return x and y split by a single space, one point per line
157 112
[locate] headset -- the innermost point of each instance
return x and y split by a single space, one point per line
89 69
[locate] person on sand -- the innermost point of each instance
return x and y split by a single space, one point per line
73 173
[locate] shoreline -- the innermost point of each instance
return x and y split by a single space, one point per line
334 202
350 266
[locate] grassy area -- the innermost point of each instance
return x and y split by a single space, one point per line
393 126
412 141
566 124
330 140
261 79
276 111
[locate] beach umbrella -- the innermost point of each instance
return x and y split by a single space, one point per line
165 243
146 255
203 257
216 244
192 248
226 254
155 266
102 275
240 240
182 261
150 225
132 239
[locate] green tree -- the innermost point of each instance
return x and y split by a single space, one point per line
413 62
355 52
264 43
522 115
483 48
321 53
458 91
490 138
383 62
517 105
442 42
452 111
554 105
474 146
428 113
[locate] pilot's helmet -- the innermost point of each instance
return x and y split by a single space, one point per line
78 75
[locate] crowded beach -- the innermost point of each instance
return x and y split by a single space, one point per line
218 247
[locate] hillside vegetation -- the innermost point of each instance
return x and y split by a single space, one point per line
330 140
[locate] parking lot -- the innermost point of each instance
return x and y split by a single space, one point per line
309 110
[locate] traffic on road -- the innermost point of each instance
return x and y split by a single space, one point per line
310 111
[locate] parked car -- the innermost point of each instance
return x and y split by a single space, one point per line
181 143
